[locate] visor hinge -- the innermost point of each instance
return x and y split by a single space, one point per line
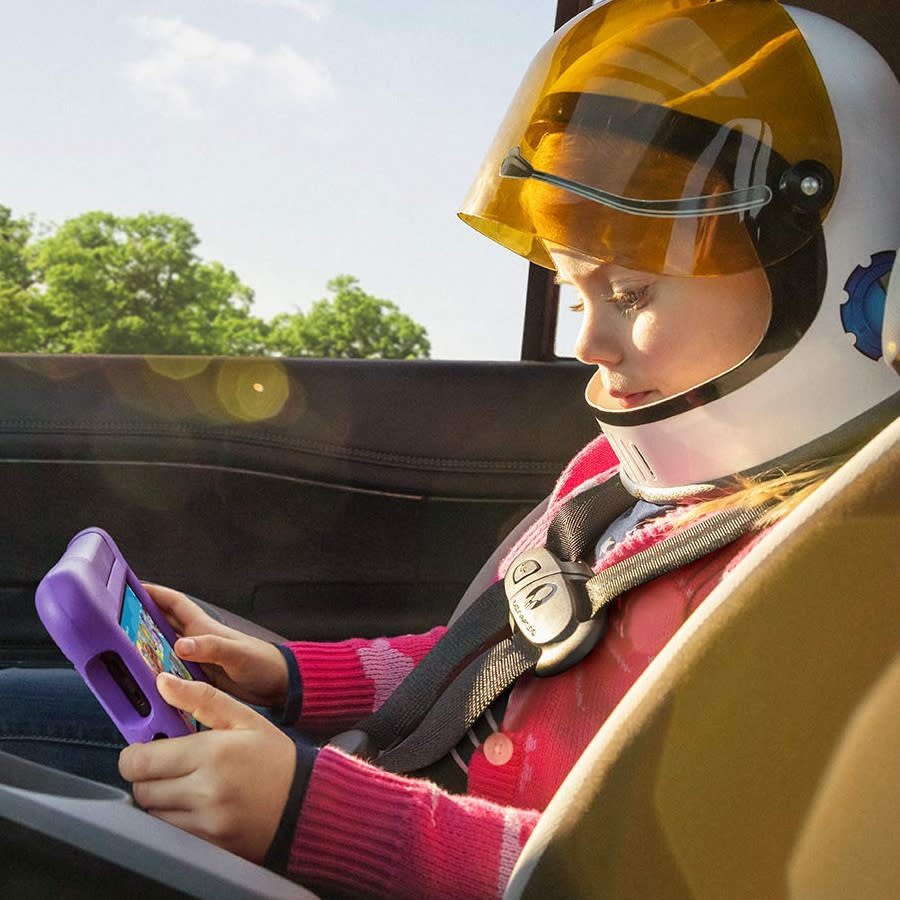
549 607
807 186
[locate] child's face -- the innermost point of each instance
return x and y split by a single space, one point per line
653 336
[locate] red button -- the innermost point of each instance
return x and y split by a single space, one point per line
498 749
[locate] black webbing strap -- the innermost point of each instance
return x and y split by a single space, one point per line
677 550
484 623
459 707
583 518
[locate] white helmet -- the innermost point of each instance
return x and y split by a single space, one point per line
734 133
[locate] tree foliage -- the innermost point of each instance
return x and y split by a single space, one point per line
352 324
107 284
21 318
136 285
14 237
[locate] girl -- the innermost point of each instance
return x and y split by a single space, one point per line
717 182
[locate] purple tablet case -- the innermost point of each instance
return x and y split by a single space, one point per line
86 602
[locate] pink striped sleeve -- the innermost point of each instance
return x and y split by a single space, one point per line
345 681
364 832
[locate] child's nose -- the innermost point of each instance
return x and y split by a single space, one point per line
598 342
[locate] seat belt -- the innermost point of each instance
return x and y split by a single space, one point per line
546 615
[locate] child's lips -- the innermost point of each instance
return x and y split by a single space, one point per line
632 400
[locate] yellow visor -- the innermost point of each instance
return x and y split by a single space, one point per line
659 134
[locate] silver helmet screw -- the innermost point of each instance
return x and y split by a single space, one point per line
810 186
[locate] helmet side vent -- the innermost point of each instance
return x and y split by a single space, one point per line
634 464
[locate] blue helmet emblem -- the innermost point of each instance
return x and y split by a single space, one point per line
862 313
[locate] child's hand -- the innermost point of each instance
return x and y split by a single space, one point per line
228 785
244 666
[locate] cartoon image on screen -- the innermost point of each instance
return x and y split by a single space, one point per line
151 643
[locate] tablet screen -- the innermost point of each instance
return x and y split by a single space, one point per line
157 652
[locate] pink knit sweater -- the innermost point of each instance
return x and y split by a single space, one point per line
366 833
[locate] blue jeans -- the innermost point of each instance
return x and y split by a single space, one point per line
51 717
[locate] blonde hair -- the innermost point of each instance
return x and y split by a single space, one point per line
783 490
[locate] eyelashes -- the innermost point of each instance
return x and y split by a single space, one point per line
627 301
630 301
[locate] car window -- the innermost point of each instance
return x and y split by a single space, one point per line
184 172
568 322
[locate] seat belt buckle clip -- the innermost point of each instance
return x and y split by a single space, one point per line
549 607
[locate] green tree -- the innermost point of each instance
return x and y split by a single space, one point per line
22 310
14 237
101 283
108 284
352 324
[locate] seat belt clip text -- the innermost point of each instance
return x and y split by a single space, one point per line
550 609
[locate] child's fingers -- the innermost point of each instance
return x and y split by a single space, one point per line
209 648
212 783
171 758
173 602
207 704
244 666
164 794
180 611
174 605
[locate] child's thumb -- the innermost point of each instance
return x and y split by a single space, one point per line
206 648
207 704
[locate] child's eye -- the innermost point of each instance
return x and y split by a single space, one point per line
630 300
577 307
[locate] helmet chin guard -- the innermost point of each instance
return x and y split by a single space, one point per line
780 155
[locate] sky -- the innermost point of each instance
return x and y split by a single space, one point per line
302 138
